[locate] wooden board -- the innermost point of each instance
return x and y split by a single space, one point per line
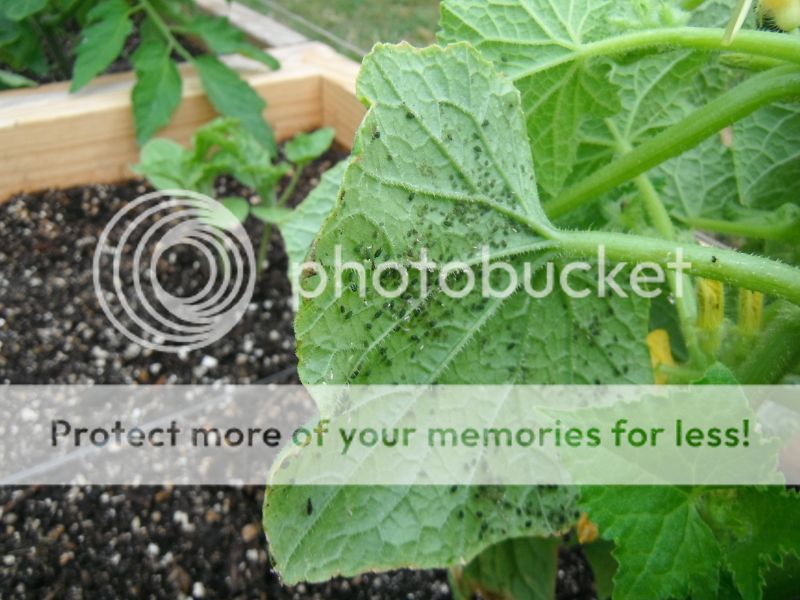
258 27
50 138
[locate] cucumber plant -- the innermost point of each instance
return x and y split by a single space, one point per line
543 129
35 38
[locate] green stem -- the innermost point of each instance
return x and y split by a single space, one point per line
736 268
758 43
779 233
748 62
263 247
762 89
655 208
684 303
287 193
162 26
53 46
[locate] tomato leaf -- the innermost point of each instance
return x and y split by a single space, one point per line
157 92
224 38
101 41
232 97
12 80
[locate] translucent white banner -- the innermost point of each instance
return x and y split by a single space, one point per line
400 435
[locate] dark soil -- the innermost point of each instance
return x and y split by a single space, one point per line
53 331
96 542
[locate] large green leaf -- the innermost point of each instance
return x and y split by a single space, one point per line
539 43
767 157
232 97
102 41
583 110
743 176
517 569
756 530
675 542
317 532
665 548
447 170
446 167
157 92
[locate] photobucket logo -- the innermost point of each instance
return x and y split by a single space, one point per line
146 235
495 279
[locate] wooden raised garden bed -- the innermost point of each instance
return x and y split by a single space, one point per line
51 138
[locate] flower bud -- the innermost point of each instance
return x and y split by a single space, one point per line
710 314
751 312
711 304
660 354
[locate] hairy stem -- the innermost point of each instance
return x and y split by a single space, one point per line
760 90
780 232
736 268
684 302
758 43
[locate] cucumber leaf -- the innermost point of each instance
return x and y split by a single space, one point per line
754 531
665 549
518 569
539 44
446 168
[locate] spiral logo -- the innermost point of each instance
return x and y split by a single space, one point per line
147 235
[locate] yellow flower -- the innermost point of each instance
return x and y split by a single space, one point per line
660 354
785 13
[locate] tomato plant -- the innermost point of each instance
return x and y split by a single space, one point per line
35 38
